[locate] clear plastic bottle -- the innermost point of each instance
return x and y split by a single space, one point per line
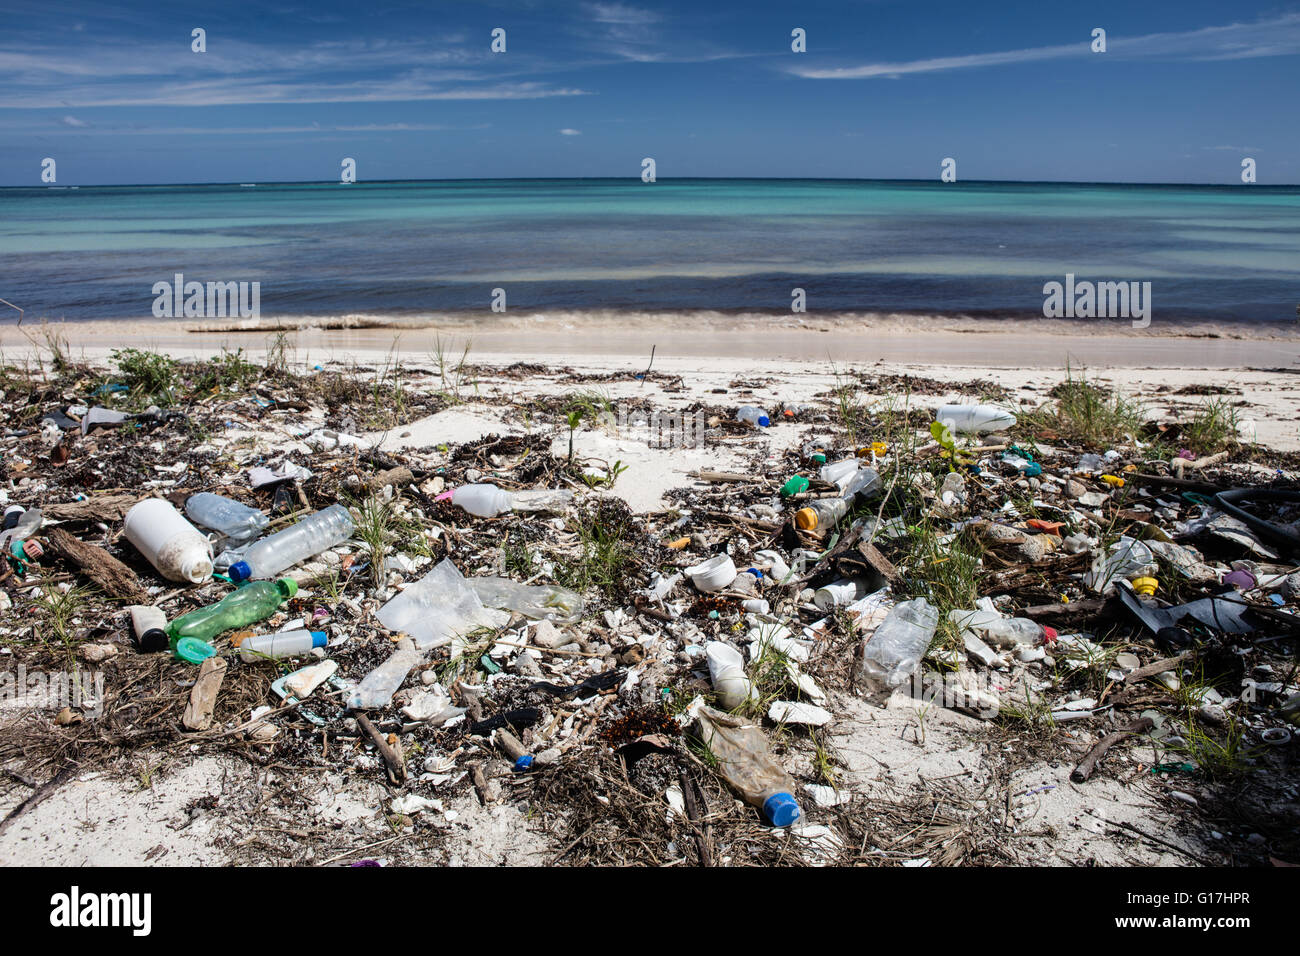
247 605
236 521
864 484
753 415
281 644
972 419
537 601
306 539
822 513
893 652
747 764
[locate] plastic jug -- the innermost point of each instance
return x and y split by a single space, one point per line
753 415
972 419
298 542
177 550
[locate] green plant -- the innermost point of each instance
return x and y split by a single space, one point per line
150 376
1212 428
227 372
375 529
850 410
605 554
61 610
454 374
1086 413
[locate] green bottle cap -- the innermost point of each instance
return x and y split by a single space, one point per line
288 585
795 485
194 651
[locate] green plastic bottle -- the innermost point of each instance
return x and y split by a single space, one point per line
248 605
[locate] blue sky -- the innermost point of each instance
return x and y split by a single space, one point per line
887 89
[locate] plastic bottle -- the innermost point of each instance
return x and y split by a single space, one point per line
755 416
1003 631
247 605
822 513
149 626
298 542
972 419
177 550
748 766
727 671
537 601
864 484
482 501
893 652
237 522
281 644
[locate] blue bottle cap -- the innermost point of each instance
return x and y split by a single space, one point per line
319 639
524 763
239 572
763 421
194 651
781 809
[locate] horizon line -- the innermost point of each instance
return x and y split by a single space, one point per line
637 179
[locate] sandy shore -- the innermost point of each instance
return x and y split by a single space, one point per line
980 343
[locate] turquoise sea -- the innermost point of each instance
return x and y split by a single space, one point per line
428 248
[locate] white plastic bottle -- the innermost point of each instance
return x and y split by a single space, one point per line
236 521
727 671
839 472
281 644
972 419
482 501
306 539
177 550
541 499
753 415
893 652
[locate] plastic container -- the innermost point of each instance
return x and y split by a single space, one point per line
893 652
548 602
25 524
482 501
298 542
12 514
1002 631
714 574
753 415
822 513
840 593
746 763
247 605
237 522
281 644
177 550
727 671
149 628
973 419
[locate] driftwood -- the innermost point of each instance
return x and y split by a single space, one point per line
112 576
1083 770
203 697
397 477
396 765
106 508
1155 667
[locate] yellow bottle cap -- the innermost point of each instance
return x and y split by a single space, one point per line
805 519
1145 586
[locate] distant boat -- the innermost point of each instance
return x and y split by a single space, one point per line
246 185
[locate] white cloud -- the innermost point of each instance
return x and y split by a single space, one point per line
73 121
570 132
1279 36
